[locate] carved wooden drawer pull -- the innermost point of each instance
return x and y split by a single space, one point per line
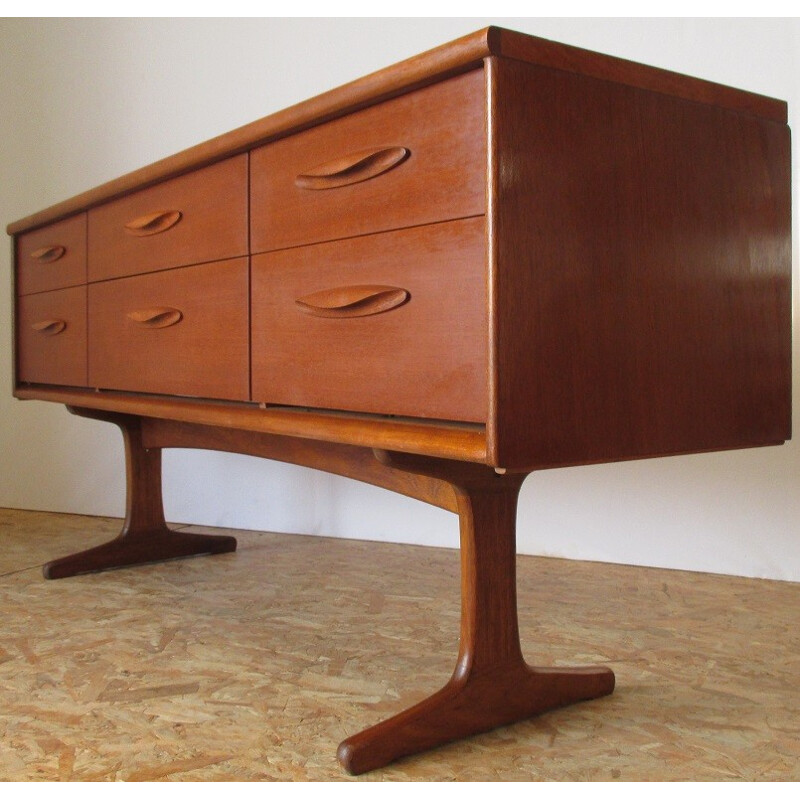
352 168
150 224
51 252
161 317
353 301
49 327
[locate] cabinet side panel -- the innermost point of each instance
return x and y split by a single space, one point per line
640 275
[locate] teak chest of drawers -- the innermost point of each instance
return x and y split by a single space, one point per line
500 256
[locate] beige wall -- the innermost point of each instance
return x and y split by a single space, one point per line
84 101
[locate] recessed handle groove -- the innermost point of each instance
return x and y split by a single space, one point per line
352 301
48 253
155 222
161 317
49 327
353 168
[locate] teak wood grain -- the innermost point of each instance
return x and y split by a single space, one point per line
420 70
491 684
443 130
53 257
640 273
502 255
145 536
204 353
350 461
424 358
466 442
195 218
51 337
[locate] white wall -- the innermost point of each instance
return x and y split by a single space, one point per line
84 101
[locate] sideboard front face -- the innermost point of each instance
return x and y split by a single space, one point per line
268 277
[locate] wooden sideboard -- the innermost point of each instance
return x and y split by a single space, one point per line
500 256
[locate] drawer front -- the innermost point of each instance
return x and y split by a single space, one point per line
52 257
416 159
196 218
182 332
392 323
51 337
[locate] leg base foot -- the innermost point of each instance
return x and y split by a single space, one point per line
142 548
470 705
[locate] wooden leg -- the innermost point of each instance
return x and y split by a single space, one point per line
492 685
145 536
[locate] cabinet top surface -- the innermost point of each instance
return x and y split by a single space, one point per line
449 59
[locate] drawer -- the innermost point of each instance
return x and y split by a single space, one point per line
416 159
51 337
183 332
391 323
52 257
196 218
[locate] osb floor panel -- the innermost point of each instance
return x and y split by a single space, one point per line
254 665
